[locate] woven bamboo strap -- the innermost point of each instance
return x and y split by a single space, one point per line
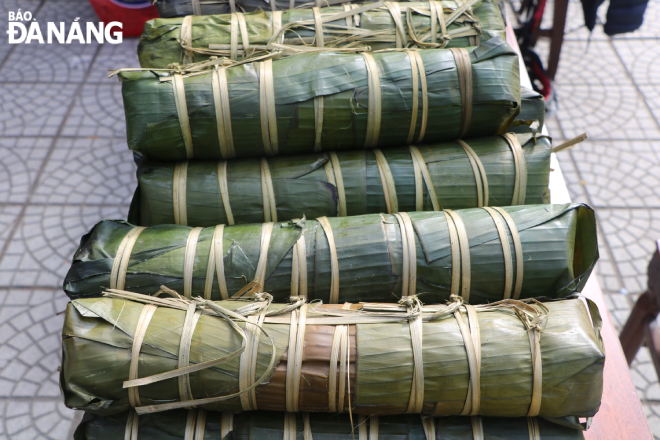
395 12
428 423
375 101
186 38
480 177
335 177
248 363
334 263
224 191
294 357
141 329
266 233
267 107
472 340
216 263
299 269
132 424
420 168
189 261
123 255
534 429
222 112
459 247
517 246
417 68
318 123
338 353
182 111
477 428
189 324
268 193
520 182
387 180
237 24
179 202
464 72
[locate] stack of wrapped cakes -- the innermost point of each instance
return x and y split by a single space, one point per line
340 231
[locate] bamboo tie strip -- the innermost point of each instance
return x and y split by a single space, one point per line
224 191
216 264
182 111
520 181
267 107
179 182
237 24
196 7
420 168
189 261
123 255
248 363
480 177
460 256
375 101
266 233
464 72
387 180
294 357
339 353
517 246
333 173
299 269
222 112
132 426
334 263
417 67
186 38
477 428
267 192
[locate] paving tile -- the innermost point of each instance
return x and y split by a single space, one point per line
21 160
651 94
653 416
619 174
574 182
34 109
35 420
5 7
114 56
40 253
631 235
592 63
641 58
98 111
88 171
67 11
8 217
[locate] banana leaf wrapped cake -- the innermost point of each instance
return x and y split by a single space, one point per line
459 174
482 254
322 101
506 359
375 25
174 425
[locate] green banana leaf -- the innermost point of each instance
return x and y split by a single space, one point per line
270 425
181 8
160 41
301 184
154 129
532 109
558 244
98 336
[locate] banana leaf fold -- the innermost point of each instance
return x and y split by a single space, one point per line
551 253
440 360
294 31
172 425
306 185
322 101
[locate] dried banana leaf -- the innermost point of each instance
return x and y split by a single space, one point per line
558 248
372 25
262 425
378 368
307 186
320 102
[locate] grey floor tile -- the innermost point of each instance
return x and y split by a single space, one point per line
631 235
641 58
651 94
590 64
41 251
34 420
98 111
572 177
619 174
67 11
88 171
21 159
34 109
652 411
113 57
8 217
30 342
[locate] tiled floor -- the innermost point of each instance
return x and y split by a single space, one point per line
64 166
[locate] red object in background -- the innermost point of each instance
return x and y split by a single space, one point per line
131 13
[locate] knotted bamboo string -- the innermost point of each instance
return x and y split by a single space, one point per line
417 67
517 246
189 261
299 269
480 177
122 257
387 180
222 112
334 263
464 72
260 273
520 181
224 191
459 247
375 101
267 107
186 38
179 201
420 163
182 111
268 193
